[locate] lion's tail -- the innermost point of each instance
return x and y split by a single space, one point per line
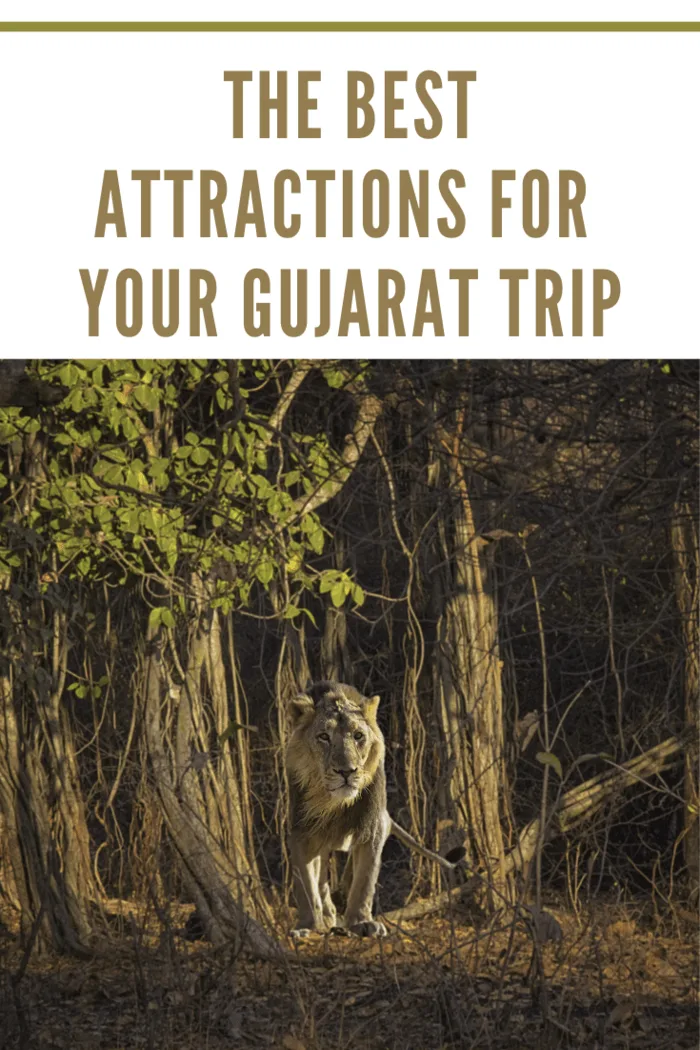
408 840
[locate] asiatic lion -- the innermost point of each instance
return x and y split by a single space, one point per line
335 765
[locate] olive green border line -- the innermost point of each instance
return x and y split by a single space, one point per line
349 27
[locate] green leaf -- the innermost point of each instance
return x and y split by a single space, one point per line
102 515
274 505
547 758
237 443
358 595
264 571
154 617
338 592
262 486
114 415
334 378
71 497
290 612
117 455
69 374
315 539
84 565
293 563
75 399
200 456
129 429
167 618
147 397
158 465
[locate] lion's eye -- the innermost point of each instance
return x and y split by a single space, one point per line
324 736
359 736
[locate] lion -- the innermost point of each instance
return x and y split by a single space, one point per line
337 785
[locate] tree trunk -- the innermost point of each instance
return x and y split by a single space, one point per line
47 851
468 678
223 887
13 862
45 822
684 545
335 659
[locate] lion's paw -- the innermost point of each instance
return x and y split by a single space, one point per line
368 928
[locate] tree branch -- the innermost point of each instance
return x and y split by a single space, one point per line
369 409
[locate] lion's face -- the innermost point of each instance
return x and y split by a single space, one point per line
340 739
336 744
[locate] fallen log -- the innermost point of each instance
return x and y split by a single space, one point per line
579 804
429 905
573 808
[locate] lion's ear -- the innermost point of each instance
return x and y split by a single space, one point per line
370 708
300 707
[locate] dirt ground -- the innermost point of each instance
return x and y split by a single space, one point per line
612 980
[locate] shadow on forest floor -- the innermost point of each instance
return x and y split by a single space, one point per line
432 985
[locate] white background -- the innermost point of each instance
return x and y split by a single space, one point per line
463 10
621 109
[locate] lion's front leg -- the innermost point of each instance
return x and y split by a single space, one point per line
328 907
366 862
307 892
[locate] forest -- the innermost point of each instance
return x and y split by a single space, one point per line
506 552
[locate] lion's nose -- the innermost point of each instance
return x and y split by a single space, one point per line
346 772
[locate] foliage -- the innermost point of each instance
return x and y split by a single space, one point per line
154 470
